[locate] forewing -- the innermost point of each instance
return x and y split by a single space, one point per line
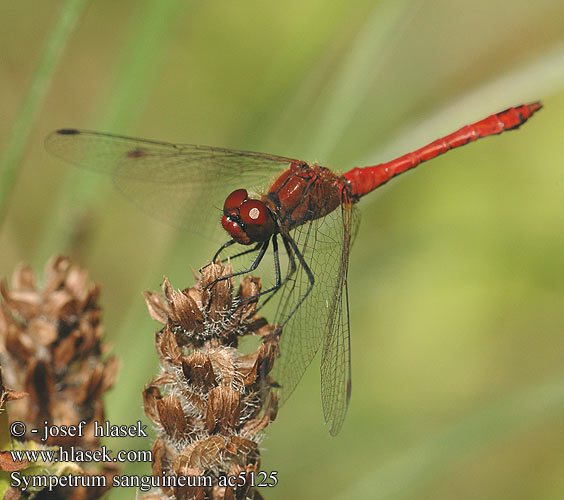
183 185
324 244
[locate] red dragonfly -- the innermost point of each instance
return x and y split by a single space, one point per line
307 207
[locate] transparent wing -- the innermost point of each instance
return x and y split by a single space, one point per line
322 319
183 185
336 353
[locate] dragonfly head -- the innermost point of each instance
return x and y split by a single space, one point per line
246 220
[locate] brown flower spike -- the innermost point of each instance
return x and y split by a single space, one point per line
210 403
51 348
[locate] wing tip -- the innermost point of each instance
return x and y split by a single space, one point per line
336 426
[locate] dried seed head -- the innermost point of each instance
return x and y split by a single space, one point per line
211 403
51 348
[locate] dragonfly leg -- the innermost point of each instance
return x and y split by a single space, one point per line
245 252
309 275
216 255
291 271
278 282
254 265
228 244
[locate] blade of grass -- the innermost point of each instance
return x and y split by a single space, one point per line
535 80
138 68
33 98
139 59
358 72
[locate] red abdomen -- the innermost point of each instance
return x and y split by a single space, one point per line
363 180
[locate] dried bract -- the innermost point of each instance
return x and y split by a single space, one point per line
210 404
51 348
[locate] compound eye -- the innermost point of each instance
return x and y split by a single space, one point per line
235 200
235 231
257 220
254 212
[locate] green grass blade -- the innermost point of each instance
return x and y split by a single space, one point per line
139 59
358 73
31 105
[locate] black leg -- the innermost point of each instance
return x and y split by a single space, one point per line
291 271
278 283
228 244
221 248
310 278
254 265
293 253
245 252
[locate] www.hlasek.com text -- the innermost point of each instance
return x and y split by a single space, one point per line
78 455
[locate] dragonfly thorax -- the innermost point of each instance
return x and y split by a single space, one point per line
247 220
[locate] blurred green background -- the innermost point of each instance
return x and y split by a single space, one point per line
457 275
